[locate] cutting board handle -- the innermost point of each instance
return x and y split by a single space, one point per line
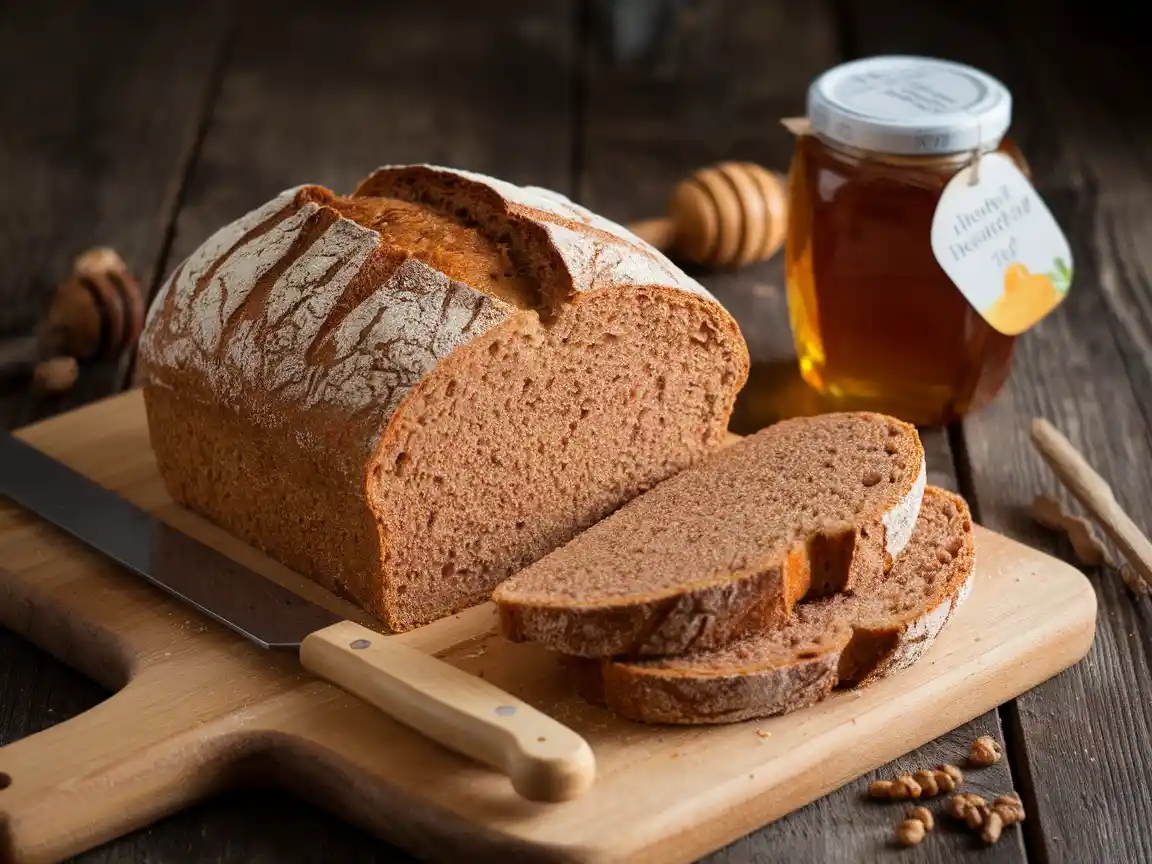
545 760
115 768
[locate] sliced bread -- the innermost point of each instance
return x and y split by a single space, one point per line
725 549
845 640
412 392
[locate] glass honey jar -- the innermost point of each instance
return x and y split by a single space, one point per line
876 321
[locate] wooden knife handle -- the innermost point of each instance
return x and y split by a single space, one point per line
545 760
660 232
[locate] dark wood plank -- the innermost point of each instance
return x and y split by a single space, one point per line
1096 117
714 88
99 120
847 826
1078 736
36 691
1087 729
254 826
324 93
1099 393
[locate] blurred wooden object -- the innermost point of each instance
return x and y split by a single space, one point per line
1093 491
55 375
725 215
98 311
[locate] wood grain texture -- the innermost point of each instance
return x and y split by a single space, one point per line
37 691
847 826
1086 730
545 760
203 709
715 90
325 93
95 140
222 830
1074 739
1096 496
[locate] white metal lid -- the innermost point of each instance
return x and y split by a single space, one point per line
909 106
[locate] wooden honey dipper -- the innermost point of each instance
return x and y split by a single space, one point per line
725 215
98 311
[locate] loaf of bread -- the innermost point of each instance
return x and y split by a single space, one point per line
411 392
845 640
809 506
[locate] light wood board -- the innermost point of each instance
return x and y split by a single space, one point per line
199 709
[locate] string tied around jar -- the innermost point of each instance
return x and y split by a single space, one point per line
977 152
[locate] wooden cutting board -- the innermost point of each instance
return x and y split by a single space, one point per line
199 709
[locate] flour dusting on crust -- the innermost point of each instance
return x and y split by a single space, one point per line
218 316
303 298
398 335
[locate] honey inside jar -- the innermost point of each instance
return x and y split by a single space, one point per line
875 319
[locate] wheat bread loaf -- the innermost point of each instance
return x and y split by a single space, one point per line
807 506
411 392
845 640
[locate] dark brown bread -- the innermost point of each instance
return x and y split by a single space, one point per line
846 640
412 392
726 549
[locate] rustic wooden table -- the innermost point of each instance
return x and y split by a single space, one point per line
145 128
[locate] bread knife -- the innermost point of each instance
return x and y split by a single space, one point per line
545 760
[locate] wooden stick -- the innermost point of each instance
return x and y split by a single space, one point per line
660 232
545 760
1091 490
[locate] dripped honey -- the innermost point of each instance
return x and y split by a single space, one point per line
876 321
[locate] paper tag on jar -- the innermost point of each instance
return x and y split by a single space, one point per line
998 242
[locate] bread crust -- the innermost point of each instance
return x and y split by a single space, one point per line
712 614
727 699
852 654
295 336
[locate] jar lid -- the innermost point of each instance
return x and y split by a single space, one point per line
910 106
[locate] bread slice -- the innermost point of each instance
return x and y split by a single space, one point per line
846 640
411 392
725 549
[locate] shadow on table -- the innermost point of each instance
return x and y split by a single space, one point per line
775 391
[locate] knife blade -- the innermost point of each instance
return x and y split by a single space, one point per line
545 760
255 607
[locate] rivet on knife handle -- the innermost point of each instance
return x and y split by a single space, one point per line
545 760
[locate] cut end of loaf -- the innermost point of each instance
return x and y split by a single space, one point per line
533 433
726 548
842 641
